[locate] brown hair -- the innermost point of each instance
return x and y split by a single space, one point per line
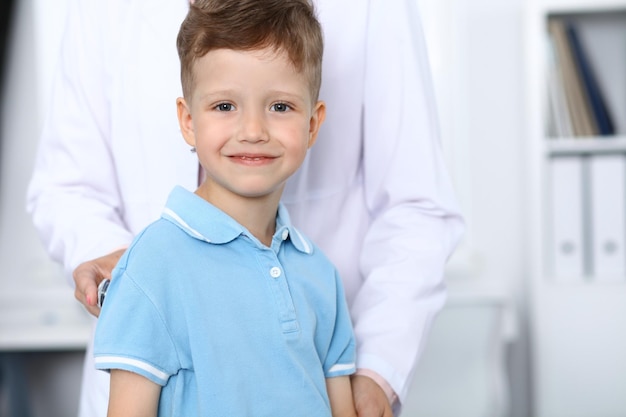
246 25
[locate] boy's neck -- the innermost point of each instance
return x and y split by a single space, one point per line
258 215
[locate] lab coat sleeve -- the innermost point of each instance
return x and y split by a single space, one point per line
416 222
73 195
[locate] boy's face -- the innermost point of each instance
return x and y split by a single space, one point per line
251 118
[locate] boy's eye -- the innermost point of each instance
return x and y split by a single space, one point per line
224 107
280 107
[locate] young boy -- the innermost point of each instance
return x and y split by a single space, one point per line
221 307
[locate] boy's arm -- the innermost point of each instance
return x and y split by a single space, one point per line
132 395
340 396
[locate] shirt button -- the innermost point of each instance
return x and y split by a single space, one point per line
285 234
275 272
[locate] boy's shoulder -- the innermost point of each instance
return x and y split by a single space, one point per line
154 244
161 233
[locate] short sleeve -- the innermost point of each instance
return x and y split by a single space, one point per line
341 357
131 334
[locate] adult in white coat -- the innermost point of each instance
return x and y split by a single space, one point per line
373 193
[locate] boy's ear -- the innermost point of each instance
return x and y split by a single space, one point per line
185 121
317 118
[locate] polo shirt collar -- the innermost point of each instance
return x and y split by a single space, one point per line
203 221
283 222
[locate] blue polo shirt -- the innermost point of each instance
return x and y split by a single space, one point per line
227 325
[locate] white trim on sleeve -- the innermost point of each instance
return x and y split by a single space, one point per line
106 360
341 367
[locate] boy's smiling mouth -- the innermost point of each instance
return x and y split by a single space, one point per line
252 158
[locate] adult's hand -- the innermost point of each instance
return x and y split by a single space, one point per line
369 398
88 275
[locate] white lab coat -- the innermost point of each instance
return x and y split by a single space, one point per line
373 192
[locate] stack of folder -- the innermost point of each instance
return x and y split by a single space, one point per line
576 102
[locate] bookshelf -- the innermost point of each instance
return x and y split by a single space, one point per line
577 211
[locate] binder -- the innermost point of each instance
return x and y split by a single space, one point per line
580 111
608 205
600 111
566 243
560 117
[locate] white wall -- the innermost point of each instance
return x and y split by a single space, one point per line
52 378
477 59
497 137
24 263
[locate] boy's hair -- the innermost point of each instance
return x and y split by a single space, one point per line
245 25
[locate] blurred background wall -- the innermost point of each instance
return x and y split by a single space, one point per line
477 362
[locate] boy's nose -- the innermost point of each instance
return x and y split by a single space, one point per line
253 128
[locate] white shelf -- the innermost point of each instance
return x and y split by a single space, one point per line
579 146
45 319
580 6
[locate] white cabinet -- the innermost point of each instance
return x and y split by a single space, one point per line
577 189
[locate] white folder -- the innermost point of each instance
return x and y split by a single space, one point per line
566 212
608 204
